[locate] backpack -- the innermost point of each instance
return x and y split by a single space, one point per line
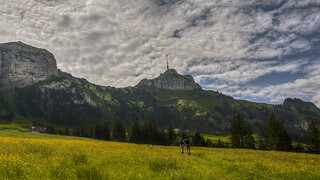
187 141
180 141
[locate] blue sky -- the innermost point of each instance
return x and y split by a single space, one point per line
257 50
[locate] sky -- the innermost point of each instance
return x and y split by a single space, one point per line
257 50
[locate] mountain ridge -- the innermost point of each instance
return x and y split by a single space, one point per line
65 100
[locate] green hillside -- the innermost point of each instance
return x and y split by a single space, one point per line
64 100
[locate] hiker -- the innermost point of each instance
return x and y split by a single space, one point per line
181 142
187 142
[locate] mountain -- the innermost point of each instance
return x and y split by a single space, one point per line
171 80
64 100
23 65
300 106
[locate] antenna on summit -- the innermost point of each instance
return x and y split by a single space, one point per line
167 61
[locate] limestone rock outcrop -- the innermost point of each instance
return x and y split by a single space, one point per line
171 80
23 65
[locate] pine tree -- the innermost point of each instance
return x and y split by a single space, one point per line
209 143
249 139
67 131
48 127
171 136
105 131
196 140
285 141
276 136
145 133
261 143
150 134
299 147
235 131
96 131
202 142
91 132
74 131
163 139
78 132
313 140
52 130
154 134
241 133
136 134
272 132
9 116
118 132
220 145
83 132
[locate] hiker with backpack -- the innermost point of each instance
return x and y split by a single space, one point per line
181 142
187 142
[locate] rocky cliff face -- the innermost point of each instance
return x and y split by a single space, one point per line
65 86
23 65
171 80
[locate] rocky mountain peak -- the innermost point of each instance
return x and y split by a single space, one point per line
171 80
23 65
170 71
301 106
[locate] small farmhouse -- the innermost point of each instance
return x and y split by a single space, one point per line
38 129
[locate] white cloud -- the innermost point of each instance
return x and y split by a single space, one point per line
241 71
316 99
305 88
118 43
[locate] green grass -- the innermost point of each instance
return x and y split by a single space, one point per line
215 139
22 131
19 134
43 156
16 127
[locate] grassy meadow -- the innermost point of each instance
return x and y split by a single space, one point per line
24 155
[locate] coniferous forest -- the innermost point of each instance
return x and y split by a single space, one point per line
273 137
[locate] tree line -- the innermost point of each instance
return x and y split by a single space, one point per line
146 133
273 137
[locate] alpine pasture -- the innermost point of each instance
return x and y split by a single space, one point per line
43 156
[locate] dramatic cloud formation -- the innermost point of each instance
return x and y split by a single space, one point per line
256 50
